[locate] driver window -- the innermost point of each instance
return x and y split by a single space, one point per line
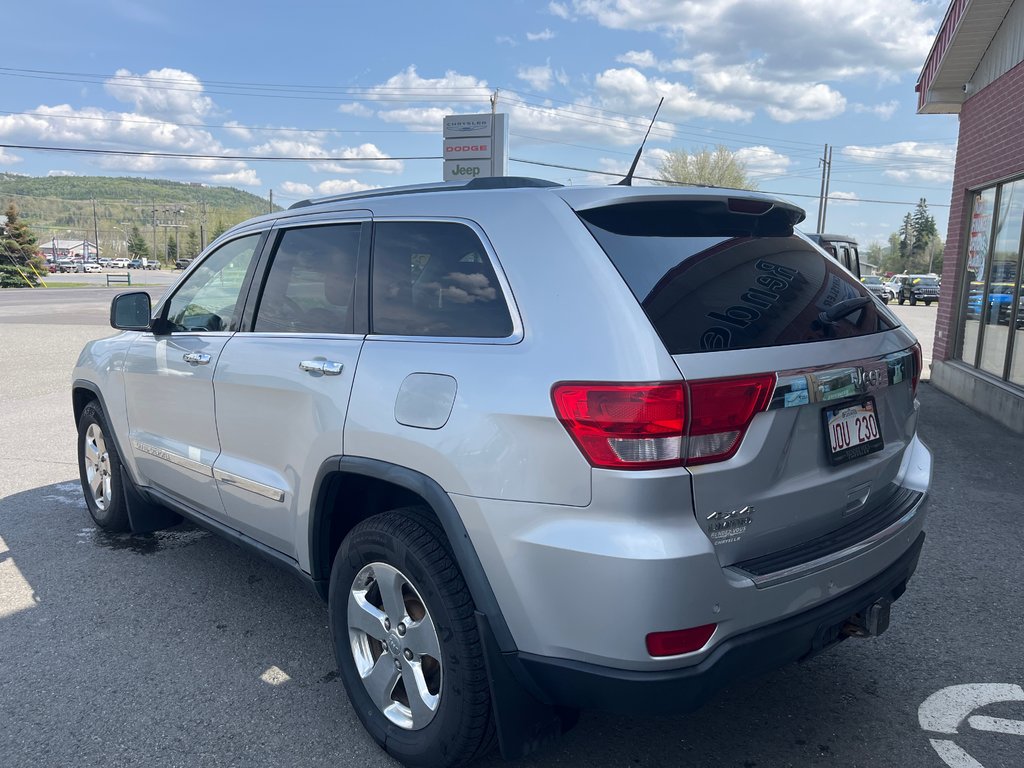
206 301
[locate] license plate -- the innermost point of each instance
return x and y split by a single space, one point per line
851 430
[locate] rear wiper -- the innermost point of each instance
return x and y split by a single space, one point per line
841 309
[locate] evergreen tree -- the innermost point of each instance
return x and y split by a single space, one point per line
924 229
137 247
17 243
172 251
906 242
716 168
218 229
191 249
19 265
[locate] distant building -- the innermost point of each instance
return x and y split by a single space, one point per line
976 70
63 249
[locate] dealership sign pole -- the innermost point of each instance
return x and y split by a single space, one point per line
475 146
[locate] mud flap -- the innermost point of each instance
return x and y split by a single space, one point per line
144 516
524 723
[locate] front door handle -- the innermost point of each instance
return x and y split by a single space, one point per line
321 367
196 358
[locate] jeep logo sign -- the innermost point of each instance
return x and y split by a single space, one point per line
475 146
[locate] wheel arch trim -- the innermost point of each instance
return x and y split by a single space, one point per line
440 504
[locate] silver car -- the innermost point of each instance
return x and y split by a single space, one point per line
541 448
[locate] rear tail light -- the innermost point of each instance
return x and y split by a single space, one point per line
918 365
624 426
679 640
647 426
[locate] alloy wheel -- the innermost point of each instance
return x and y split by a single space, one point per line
395 646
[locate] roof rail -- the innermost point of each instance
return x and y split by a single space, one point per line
492 182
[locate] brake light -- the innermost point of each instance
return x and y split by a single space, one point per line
918 365
624 426
720 412
679 640
647 426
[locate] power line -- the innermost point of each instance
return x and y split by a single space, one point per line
672 183
199 156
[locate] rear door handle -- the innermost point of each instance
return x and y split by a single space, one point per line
322 367
196 358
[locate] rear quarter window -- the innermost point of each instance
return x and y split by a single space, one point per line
715 283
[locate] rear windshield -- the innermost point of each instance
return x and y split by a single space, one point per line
709 287
871 280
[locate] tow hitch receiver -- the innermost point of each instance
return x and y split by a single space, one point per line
870 622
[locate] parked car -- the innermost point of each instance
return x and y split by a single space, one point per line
135 264
874 284
151 264
119 263
88 266
680 454
65 265
182 263
915 288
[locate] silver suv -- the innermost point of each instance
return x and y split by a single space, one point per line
540 448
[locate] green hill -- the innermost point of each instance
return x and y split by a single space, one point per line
62 207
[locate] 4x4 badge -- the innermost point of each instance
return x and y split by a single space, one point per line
726 527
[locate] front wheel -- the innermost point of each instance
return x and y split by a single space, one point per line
406 641
913 301
927 303
99 467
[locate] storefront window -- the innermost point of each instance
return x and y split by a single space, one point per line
977 261
1002 283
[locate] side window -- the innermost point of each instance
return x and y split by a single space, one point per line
208 299
433 278
311 283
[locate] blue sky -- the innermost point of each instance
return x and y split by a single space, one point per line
331 82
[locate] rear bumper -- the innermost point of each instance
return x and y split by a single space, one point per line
590 686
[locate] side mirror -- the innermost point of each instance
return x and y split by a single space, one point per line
131 311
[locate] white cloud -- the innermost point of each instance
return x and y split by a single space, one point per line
561 10
167 93
784 102
342 186
506 40
61 173
843 198
356 108
882 111
645 59
629 90
309 144
763 161
296 188
6 158
238 131
544 35
538 78
409 84
417 117
907 160
797 41
245 177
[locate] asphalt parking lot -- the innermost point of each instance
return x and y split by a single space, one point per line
178 649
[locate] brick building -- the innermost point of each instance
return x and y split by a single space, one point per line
976 69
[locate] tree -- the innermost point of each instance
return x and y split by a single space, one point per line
906 242
191 249
18 261
172 251
716 168
218 229
925 233
137 247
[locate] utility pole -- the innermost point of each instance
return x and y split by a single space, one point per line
825 162
494 101
271 201
828 179
95 229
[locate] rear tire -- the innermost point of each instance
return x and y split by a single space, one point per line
901 300
99 468
406 641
